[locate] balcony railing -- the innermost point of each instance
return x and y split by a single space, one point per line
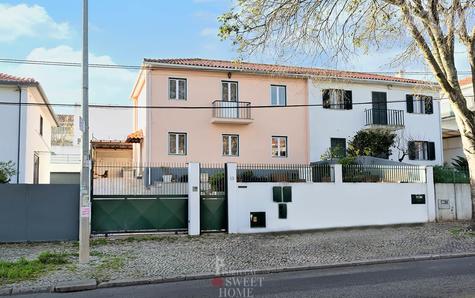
384 117
65 159
231 112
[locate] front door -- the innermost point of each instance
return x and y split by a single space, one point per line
230 99
380 108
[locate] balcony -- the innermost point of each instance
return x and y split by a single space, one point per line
231 112
384 118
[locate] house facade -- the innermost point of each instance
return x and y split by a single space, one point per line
202 112
27 128
452 143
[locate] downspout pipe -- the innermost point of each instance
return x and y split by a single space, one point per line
19 136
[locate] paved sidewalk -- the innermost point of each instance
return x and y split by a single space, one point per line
175 255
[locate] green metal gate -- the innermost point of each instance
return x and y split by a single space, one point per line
213 200
131 214
143 198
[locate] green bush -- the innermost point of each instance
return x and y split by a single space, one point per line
7 170
450 175
217 181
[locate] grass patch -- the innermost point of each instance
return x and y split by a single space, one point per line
99 241
461 232
103 271
24 269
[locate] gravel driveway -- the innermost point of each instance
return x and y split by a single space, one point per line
172 255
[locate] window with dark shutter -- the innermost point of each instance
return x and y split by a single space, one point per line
429 106
348 100
431 150
326 98
410 103
411 146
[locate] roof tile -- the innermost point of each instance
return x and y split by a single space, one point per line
14 79
283 69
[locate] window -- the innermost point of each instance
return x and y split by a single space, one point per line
421 150
279 146
278 95
337 99
229 91
338 146
177 88
419 104
41 125
177 143
231 145
36 169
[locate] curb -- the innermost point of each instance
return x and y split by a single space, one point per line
92 284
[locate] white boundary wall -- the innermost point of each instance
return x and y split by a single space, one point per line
329 205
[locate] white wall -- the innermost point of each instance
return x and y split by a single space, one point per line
9 122
35 142
329 123
453 201
330 205
30 139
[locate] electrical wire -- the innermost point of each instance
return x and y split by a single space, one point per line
139 67
103 106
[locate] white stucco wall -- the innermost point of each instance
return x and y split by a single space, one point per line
325 124
31 141
330 205
453 201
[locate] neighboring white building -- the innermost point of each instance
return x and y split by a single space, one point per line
450 132
26 128
66 147
407 107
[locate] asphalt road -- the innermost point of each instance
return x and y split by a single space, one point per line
435 278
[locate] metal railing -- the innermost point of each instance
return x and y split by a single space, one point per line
384 117
384 173
65 159
127 179
231 109
212 179
278 173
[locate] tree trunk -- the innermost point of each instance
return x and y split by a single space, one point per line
468 143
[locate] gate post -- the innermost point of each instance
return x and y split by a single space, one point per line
232 199
431 204
193 199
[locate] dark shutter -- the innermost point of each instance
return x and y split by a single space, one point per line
348 100
283 211
431 150
429 105
277 194
411 147
287 193
326 98
410 103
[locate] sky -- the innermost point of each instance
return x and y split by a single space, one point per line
124 32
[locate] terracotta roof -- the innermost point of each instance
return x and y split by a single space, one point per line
135 137
282 69
465 81
6 78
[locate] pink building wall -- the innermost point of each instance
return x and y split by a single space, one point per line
205 138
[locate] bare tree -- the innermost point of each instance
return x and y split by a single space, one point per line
341 28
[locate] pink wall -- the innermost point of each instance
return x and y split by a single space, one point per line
205 138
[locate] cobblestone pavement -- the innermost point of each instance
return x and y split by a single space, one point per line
172 255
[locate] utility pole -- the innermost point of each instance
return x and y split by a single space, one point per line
85 206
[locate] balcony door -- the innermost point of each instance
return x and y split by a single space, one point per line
230 99
380 108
